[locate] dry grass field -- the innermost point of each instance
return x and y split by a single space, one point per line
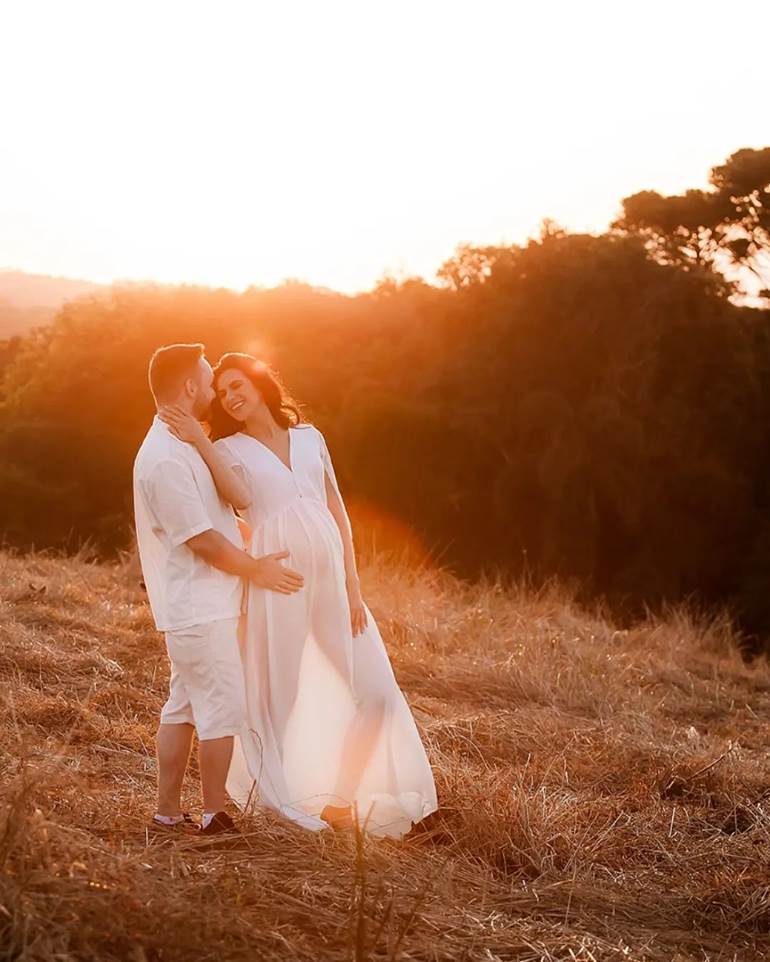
605 794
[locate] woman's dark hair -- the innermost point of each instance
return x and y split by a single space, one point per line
282 406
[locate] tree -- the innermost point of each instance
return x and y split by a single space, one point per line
726 228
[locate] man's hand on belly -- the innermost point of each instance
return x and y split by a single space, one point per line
270 573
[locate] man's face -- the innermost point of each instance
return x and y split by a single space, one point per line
205 391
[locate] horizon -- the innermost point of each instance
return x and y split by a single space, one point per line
392 152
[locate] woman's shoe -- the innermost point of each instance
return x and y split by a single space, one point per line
339 817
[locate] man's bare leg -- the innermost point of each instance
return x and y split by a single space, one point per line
215 755
173 743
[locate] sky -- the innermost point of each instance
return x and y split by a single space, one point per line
240 142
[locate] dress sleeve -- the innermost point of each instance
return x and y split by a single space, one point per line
176 502
226 451
329 471
326 460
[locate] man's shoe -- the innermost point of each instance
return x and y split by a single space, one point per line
183 827
220 824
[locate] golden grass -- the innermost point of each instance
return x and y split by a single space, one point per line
602 792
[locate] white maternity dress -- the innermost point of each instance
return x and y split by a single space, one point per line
306 675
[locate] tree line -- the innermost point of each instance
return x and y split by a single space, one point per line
592 407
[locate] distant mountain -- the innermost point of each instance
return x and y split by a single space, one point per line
29 300
40 290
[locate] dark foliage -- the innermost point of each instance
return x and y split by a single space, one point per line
582 406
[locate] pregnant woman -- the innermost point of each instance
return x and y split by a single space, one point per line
330 737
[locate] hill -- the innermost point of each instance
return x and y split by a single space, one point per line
602 792
22 289
30 300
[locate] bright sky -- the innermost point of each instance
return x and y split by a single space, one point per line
231 143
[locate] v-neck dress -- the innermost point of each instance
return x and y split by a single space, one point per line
306 675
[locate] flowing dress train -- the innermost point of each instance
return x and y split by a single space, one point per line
308 680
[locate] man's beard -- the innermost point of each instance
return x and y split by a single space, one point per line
206 413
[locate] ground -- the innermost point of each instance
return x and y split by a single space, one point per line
604 794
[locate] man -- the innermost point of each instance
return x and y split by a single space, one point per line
193 568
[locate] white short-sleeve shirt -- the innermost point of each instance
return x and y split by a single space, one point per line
174 499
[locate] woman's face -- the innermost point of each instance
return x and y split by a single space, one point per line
237 395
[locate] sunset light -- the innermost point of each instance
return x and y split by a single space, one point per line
244 143
384 480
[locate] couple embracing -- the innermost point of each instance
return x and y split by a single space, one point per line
276 662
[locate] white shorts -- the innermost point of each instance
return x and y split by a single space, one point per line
207 687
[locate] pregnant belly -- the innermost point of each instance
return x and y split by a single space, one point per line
307 530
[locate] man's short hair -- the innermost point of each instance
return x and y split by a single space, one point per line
170 366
